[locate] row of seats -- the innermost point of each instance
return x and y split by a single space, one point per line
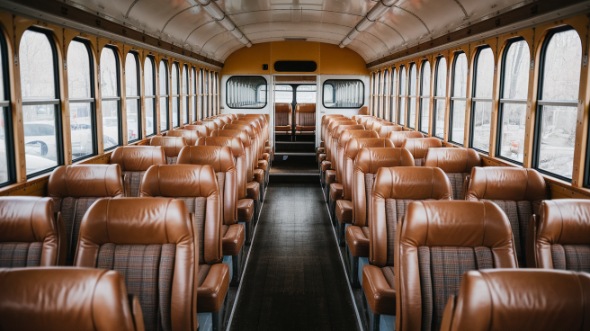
95 225
372 233
304 118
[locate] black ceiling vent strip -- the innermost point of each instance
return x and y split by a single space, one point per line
295 66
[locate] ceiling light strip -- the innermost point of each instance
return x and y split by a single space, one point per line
370 18
221 17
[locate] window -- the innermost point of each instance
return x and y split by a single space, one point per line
194 94
343 93
385 99
425 97
185 95
246 92
393 94
306 94
164 110
379 95
513 100
373 92
283 94
412 98
133 100
81 100
216 93
109 83
206 93
150 96
557 107
403 95
41 113
458 99
175 96
7 155
481 107
440 93
202 109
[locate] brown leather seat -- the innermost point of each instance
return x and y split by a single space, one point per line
30 233
196 186
67 299
305 118
202 131
222 162
398 137
457 163
517 191
383 129
258 168
190 136
419 147
561 235
394 188
283 118
134 161
321 150
437 242
525 299
327 167
152 242
74 188
172 146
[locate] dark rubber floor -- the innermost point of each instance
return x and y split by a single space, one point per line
294 279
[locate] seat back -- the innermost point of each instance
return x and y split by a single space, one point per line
152 243
561 235
305 117
398 137
338 151
330 142
67 299
437 242
202 131
347 163
419 147
190 136
171 145
222 162
524 299
283 117
383 129
518 192
252 149
74 188
134 160
30 233
395 187
325 121
457 163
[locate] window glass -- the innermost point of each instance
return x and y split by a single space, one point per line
412 98
164 110
175 96
482 99
440 93
41 123
343 93
109 75
306 94
81 100
283 94
558 104
194 94
246 92
185 95
425 97
133 98
6 155
393 94
150 96
513 97
458 99
403 94
385 99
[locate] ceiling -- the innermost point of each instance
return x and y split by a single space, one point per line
393 26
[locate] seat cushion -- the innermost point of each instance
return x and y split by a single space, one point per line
378 285
357 240
245 210
213 284
336 190
344 211
233 239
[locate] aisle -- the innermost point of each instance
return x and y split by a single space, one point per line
294 278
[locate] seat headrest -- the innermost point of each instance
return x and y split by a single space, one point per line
564 221
305 107
370 159
350 134
190 136
219 158
337 122
356 144
520 299
234 143
68 299
242 127
26 219
342 128
398 137
138 158
385 129
458 223
283 107
179 180
453 159
233 133
505 183
419 146
86 180
202 130
412 183
172 145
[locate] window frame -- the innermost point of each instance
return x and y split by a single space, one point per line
134 97
117 98
7 114
165 96
452 98
153 97
424 98
355 106
437 97
402 95
475 99
411 98
229 81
